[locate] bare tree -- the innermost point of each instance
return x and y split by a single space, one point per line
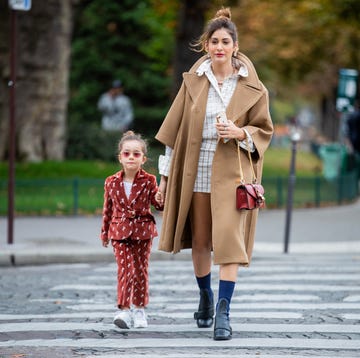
43 50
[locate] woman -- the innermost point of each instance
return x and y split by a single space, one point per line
199 170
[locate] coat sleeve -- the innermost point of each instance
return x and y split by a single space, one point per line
169 129
106 213
259 125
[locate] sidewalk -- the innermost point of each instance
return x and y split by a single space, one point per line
43 240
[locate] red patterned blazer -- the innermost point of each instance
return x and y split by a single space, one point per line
131 217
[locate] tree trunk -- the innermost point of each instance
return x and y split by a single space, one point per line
330 119
190 26
43 37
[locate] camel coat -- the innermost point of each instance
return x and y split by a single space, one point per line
233 231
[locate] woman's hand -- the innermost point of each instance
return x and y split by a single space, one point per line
160 195
229 130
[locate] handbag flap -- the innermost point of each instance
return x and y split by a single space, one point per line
254 189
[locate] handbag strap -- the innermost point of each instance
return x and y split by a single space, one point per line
242 180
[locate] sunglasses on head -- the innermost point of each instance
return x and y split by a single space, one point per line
126 154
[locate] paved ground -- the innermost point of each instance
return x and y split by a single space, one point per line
297 305
58 287
39 240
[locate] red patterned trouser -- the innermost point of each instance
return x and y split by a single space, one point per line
132 258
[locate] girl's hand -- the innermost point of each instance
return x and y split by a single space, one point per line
105 243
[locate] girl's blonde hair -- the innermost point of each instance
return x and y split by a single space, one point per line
130 135
221 20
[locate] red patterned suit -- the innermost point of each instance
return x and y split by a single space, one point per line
130 225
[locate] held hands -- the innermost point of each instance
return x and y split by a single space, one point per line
160 195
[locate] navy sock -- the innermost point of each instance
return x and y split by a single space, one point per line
204 283
226 290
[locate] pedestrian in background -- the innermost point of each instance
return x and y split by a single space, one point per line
128 223
116 108
199 170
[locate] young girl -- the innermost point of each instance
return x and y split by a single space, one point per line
128 223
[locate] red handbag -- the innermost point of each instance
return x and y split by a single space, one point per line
249 196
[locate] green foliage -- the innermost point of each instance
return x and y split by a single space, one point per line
71 187
130 40
277 163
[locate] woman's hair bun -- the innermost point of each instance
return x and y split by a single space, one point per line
223 12
128 133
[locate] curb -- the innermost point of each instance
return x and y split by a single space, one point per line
68 257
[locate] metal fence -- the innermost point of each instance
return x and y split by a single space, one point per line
85 196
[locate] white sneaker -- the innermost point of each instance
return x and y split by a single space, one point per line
139 318
123 319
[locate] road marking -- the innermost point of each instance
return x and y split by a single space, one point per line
162 299
263 292
232 353
234 306
293 343
104 314
265 277
241 286
174 328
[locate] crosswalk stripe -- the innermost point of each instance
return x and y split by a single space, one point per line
273 276
238 298
105 314
232 353
156 267
238 327
316 343
234 306
245 286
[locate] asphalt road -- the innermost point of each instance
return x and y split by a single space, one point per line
41 240
296 305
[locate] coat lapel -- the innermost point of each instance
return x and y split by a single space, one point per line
197 87
244 97
137 187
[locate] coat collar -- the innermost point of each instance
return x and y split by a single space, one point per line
247 92
206 67
141 174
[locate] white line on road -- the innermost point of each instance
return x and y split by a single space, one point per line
246 286
105 314
291 343
234 306
174 328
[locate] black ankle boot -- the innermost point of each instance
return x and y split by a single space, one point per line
205 313
222 329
